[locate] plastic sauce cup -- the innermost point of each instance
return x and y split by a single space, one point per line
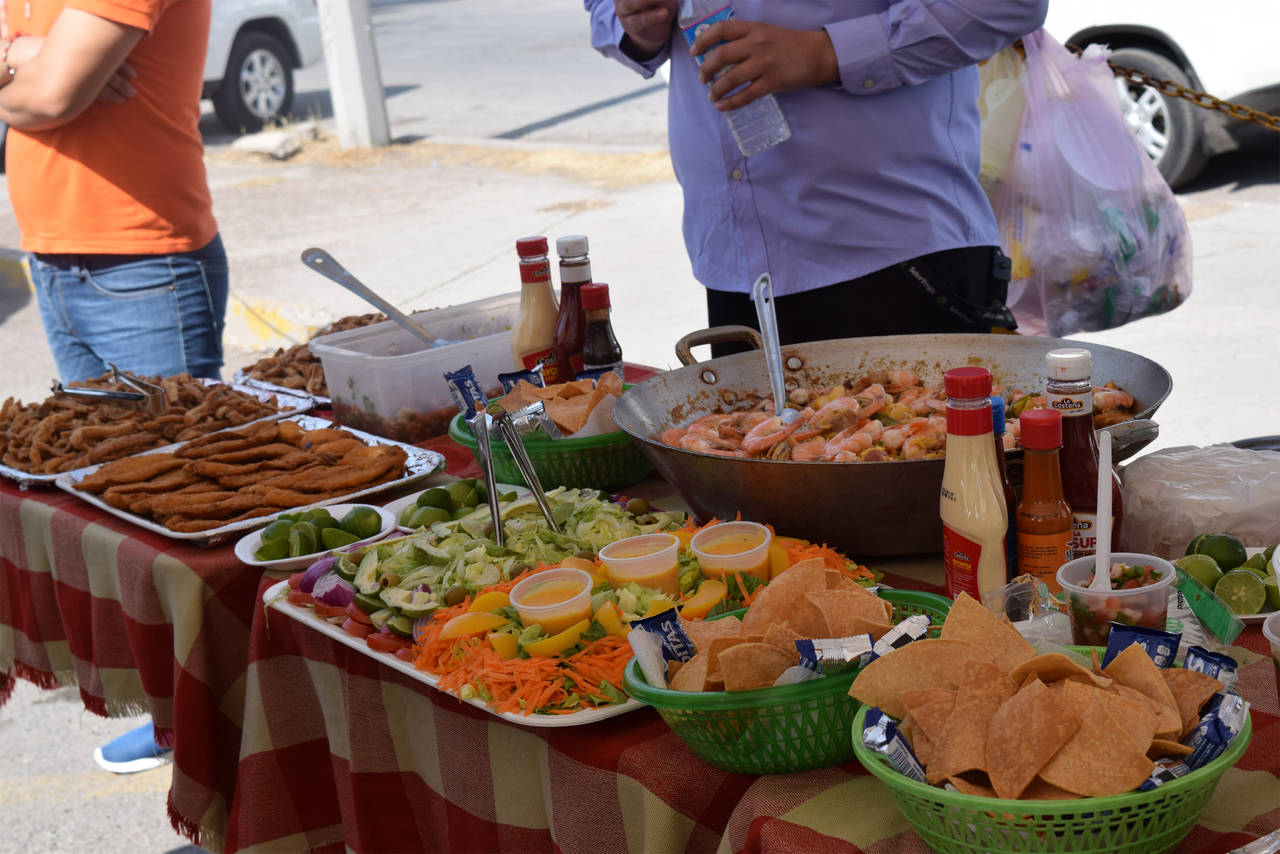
1092 612
1271 629
554 599
733 547
650 560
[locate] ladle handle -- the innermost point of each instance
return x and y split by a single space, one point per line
324 264
762 293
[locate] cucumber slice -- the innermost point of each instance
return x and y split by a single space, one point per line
401 625
379 618
366 580
410 603
369 604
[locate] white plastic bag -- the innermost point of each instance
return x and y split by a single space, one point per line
1096 236
1000 105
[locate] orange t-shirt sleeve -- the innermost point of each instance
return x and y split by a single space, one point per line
143 14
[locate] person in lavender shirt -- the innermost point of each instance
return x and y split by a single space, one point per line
870 218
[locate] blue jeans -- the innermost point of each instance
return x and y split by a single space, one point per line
147 314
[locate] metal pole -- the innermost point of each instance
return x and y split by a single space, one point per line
355 84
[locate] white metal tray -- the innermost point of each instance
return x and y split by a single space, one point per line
275 598
242 378
289 400
419 464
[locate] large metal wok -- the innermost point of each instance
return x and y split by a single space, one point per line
875 508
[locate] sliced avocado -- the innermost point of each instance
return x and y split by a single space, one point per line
401 625
379 618
411 603
366 580
346 568
368 603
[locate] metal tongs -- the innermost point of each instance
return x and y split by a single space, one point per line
483 425
762 294
146 395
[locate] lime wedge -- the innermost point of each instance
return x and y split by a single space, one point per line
1200 567
1243 591
1273 593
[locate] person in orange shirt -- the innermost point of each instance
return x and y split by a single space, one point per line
106 176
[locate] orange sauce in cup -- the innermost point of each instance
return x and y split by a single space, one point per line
547 596
732 544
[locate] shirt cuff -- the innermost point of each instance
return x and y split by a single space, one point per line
863 55
627 55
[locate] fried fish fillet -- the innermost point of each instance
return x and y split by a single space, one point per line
130 470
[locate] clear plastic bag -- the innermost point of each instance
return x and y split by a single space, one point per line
1096 236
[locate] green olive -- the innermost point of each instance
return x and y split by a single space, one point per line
455 595
585 555
636 506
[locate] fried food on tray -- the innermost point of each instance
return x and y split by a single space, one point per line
242 474
297 367
65 432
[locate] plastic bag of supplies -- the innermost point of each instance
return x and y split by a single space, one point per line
1096 236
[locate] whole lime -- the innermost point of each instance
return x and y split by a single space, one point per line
362 521
436 496
1224 548
1200 567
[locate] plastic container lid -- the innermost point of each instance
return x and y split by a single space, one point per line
1041 429
1069 363
527 246
967 383
571 245
594 295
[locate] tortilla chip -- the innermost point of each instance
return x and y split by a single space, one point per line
569 415
969 786
717 646
929 708
1052 666
702 632
834 577
1191 690
693 675
920 743
673 667
782 601
1168 724
931 661
1024 734
1099 759
1163 747
846 613
752 665
982 690
1039 790
784 639
968 620
1133 667
1136 719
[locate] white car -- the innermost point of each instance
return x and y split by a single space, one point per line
1224 49
254 45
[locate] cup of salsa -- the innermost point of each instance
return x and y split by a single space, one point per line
733 547
650 560
1271 629
554 599
1139 595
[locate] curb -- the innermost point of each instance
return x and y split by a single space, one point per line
13 270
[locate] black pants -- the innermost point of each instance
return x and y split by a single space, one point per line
959 290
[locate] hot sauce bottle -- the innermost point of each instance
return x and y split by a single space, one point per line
975 517
1043 516
535 327
575 271
1070 391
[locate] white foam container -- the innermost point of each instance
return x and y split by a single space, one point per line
386 381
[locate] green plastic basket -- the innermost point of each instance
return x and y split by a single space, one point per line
610 461
773 730
1132 823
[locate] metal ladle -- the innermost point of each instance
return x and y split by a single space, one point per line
762 294
324 264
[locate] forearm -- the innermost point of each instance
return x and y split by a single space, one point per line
609 38
918 40
27 105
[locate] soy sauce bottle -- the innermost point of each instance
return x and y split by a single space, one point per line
600 351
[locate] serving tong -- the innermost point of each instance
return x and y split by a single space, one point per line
762 295
147 396
511 427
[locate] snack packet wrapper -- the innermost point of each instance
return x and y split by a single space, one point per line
1220 724
656 640
533 418
913 628
1219 665
880 733
794 674
466 390
834 655
1161 647
533 376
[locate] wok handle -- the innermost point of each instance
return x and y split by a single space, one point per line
716 335
1129 437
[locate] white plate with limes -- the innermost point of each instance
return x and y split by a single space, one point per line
248 545
397 507
1261 616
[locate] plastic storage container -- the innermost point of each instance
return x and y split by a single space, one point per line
384 380
1092 612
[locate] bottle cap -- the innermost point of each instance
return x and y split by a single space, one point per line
526 246
594 295
571 245
997 414
1041 429
1069 363
962 383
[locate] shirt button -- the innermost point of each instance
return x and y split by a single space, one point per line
869 83
736 174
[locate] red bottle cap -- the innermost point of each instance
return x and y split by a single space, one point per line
526 246
1041 429
963 383
594 295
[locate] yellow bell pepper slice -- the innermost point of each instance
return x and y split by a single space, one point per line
557 644
607 615
491 601
657 606
504 644
710 593
470 623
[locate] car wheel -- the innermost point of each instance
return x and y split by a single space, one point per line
1168 128
258 85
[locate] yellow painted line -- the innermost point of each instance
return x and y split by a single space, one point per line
266 323
13 270
48 789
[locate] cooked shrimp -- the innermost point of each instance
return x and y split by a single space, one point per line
1110 398
770 432
811 449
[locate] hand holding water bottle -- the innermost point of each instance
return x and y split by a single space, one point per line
770 59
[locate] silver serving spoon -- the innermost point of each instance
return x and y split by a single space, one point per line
324 264
762 293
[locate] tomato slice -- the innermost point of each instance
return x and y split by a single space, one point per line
323 610
357 613
355 629
386 642
297 597
295 580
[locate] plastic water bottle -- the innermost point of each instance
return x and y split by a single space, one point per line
758 125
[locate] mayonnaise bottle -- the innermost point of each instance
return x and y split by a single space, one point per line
534 333
975 517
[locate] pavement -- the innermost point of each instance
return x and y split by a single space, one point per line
432 221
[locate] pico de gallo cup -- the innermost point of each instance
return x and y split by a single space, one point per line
650 560
1092 612
733 547
1271 629
554 599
